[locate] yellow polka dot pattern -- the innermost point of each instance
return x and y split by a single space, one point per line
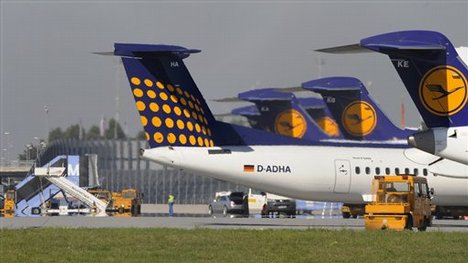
180 117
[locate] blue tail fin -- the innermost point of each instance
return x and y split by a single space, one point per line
253 116
359 117
432 72
319 111
282 113
171 108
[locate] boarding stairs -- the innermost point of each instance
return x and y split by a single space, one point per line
56 175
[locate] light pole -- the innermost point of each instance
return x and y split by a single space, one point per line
38 145
28 155
6 149
46 110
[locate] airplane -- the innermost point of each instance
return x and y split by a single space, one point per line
360 118
358 115
435 76
281 112
314 107
182 133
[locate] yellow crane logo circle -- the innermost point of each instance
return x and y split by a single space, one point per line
443 90
359 118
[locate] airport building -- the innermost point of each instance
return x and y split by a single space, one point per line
120 166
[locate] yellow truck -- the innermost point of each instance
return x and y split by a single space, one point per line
124 203
9 204
127 202
400 202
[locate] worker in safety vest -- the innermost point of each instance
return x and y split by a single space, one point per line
170 202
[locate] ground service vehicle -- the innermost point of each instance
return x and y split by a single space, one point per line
257 201
352 210
127 202
9 204
401 202
229 203
277 205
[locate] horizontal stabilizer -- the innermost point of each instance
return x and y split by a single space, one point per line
246 111
265 95
347 49
237 99
406 40
139 50
334 84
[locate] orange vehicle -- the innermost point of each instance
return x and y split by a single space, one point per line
9 204
127 202
400 202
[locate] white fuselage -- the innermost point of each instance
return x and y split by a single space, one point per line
319 173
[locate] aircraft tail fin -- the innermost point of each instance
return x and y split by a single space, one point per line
172 109
359 117
431 70
282 113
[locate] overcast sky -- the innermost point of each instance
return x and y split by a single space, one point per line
46 52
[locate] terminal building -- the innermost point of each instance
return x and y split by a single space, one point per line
120 166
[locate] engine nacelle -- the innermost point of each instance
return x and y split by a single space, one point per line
448 143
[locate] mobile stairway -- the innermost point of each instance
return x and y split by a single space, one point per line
56 175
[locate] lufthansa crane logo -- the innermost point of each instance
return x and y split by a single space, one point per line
443 90
359 118
329 126
291 123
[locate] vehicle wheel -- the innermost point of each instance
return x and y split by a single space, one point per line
354 216
225 211
409 223
346 215
134 210
423 227
36 211
264 211
292 214
210 210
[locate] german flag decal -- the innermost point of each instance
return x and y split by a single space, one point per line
249 168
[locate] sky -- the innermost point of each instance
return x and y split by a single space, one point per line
47 60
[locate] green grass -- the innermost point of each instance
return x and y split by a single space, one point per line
202 245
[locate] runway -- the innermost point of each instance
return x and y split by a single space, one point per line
206 222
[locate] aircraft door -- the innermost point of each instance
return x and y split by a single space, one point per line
342 176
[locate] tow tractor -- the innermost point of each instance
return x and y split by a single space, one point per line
127 202
400 202
9 204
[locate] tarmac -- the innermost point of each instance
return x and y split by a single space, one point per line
180 209
195 217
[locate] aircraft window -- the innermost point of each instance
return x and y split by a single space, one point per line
358 170
416 171
377 170
407 171
397 171
387 171
425 172
367 170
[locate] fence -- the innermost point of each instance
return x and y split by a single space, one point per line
120 166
